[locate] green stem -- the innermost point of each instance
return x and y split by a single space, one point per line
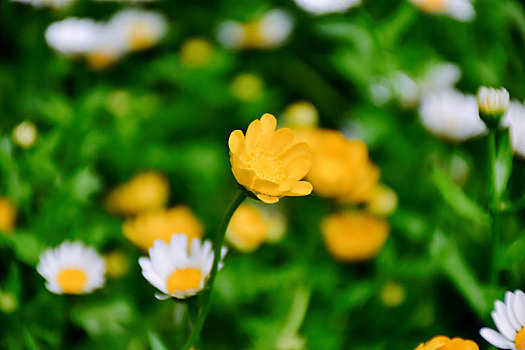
205 304
494 210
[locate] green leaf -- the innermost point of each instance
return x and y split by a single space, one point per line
514 252
26 246
84 184
155 342
503 163
457 199
447 255
106 317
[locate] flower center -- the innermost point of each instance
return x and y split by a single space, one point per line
266 165
433 5
519 340
140 36
72 281
182 280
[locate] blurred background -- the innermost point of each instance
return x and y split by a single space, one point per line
114 122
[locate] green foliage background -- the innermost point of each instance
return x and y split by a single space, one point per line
150 111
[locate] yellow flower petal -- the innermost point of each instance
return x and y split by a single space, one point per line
268 199
281 140
302 188
299 167
236 143
253 135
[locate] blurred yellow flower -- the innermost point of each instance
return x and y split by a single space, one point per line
196 52
393 294
268 162
354 236
300 115
144 229
25 134
251 225
7 215
247 87
445 343
116 264
248 228
102 59
341 168
383 201
145 191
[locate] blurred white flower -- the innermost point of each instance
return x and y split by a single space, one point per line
509 317
72 268
178 270
269 31
137 29
231 34
46 3
451 115
440 76
409 89
320 7
275 27
514 119
461 10
73 36
25 134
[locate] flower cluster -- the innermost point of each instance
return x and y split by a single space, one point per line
104 43
267 32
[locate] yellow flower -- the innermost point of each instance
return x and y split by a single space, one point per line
268 162
445 343
301 115
144 192
116 264
354 236
7 215
383 201
251 225
341 168
144 229
247 87
196 52
393 294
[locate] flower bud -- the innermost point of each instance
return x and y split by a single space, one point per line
492 105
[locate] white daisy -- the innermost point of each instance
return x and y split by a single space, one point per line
231 34
73 36
275 27
46 3
138 29
319 7
175 269
514 119
451 115
509 318
72 268
461 10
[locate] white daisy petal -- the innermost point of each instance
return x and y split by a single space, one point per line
519 306
496 339
504 327
509 310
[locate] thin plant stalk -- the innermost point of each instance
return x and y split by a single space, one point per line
494 210
205 304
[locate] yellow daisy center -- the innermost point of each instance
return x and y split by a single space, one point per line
433 5
519 340
182 280
72 281
266 165
140 36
